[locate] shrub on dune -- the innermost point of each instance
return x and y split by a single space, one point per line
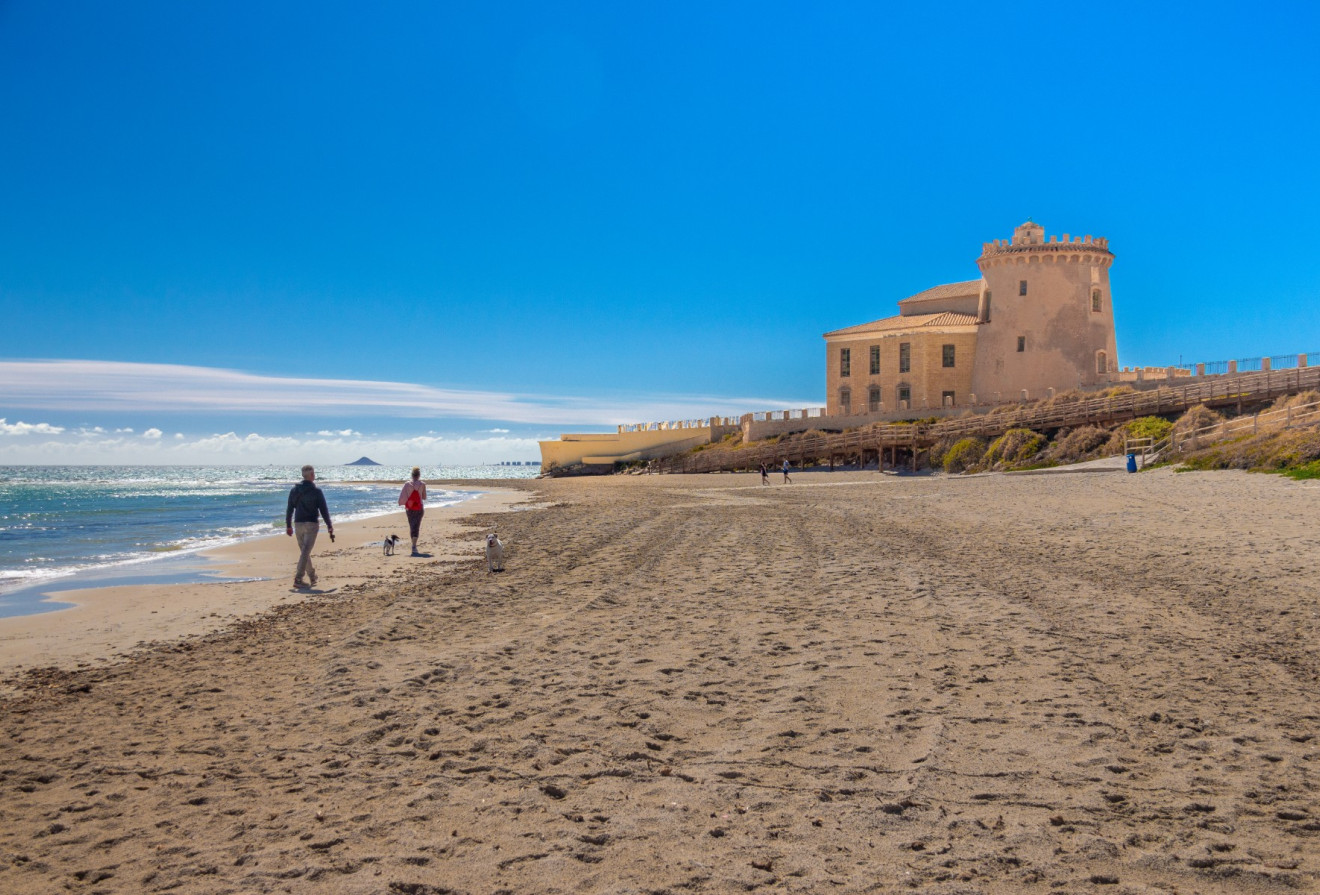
1082 443
1014 447
1197 417
1153 427
963 455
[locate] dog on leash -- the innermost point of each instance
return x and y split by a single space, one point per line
494 553
390 543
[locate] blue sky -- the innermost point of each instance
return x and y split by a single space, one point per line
481 224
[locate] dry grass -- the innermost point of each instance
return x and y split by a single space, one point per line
1199 417
1083 443
1276 451
1285 401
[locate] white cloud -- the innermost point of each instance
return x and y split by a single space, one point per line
22 428
343 433
111 386
498 431
123 431
255 448
153 433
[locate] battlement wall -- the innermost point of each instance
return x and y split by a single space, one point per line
1029 249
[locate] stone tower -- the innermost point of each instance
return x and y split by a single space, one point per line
1045 314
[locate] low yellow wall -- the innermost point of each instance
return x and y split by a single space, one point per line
610 447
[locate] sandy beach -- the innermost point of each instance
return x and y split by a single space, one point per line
854 683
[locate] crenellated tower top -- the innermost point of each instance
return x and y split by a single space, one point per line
1029 244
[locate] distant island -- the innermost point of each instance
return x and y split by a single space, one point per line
363 461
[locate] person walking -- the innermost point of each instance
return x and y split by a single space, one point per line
786 467
411 498
306 503
765 475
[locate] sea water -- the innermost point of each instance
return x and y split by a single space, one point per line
66 527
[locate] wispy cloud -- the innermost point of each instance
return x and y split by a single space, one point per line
110 386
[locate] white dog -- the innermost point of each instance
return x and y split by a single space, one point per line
494 554
390 544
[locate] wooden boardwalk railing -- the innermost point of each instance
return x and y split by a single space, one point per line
855 442
1248 388
1284 418
1238 390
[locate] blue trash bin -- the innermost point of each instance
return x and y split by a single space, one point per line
1132 463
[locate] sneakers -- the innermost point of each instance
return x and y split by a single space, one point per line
299 585
415 553
314 580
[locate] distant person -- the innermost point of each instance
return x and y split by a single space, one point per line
306 502
786 467
411 498
765 475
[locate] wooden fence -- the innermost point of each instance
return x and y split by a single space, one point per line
860 443
1284 418
1239 390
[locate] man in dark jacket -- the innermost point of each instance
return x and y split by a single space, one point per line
305 502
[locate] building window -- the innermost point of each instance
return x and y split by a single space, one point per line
1022 287
845 361
1095 301
905 357
1022 343
947 399
1101 362
905 394
875 360
874 397
845 399
947 351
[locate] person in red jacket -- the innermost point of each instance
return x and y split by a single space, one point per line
411 499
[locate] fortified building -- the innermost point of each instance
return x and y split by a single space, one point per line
1038 318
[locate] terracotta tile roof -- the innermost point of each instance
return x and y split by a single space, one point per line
964 289
913 321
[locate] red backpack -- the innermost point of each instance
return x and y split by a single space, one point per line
414 501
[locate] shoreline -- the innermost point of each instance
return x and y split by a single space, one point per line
104 623
153 567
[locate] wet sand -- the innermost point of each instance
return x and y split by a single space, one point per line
854 683
108 623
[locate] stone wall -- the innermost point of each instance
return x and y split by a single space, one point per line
607 448
926 380
1064 336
